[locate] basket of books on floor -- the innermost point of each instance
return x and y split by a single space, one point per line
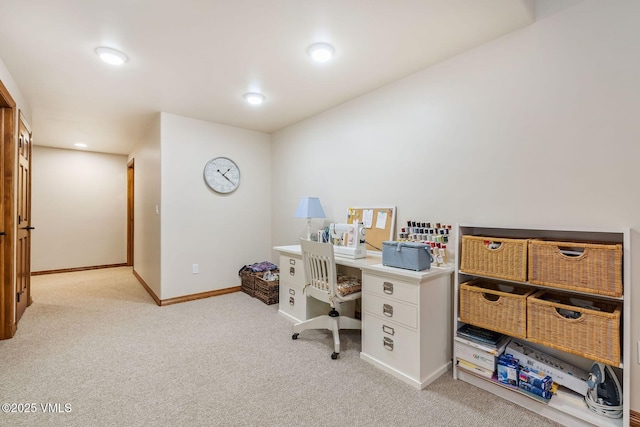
249 274
267 287
246 282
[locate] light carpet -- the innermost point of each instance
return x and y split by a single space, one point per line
95 348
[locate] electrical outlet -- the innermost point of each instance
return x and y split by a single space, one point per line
194 268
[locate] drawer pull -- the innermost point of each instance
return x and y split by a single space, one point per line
387 310
387 343
387 288
292 271
292 261
388 330
292 301
292 291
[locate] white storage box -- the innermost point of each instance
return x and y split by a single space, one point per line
408 255
474 355
560 371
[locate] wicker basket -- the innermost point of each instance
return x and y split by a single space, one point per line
586 267
495 306
267 291
246 282
495 257
559 321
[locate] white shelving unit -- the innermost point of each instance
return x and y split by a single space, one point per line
566 407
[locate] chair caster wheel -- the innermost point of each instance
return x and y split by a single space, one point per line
294 336
334 355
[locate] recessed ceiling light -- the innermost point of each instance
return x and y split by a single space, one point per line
321 52
254 98
80 145
111 56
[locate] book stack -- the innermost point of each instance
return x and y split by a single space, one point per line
477 349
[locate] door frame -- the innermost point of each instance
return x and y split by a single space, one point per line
8 223
130 210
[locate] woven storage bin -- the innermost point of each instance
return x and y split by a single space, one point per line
246 282
495 257
495 306
597 270
267 291
593 334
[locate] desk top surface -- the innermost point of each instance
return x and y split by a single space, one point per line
373 264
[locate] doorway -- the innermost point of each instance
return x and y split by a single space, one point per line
7 209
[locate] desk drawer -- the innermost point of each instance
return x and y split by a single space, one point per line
292 301
389 343
292 270
392 288
295 303
394 311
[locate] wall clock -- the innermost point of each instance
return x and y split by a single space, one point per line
222 175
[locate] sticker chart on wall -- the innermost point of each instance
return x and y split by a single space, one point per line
379 223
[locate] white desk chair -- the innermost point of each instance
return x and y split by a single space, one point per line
322 284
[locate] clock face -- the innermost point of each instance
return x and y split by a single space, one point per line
222 175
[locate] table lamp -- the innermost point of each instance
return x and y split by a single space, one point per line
309 207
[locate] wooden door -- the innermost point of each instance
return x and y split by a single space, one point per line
23 249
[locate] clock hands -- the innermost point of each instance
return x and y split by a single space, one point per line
225 175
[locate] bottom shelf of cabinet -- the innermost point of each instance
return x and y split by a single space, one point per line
566 407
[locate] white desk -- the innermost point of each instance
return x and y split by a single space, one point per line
406 315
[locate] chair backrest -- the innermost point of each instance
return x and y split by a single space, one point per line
319 269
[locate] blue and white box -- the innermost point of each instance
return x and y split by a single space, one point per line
535 382
508 370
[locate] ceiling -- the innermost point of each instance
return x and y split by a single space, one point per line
196 58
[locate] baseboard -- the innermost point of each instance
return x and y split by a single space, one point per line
634 419
185 298
201 295
147 288
70 270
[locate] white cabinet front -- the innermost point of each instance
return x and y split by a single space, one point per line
392 344
396 311
292 270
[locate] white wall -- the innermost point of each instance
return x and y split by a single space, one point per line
220 233
538 127
7 80
146 229
79 209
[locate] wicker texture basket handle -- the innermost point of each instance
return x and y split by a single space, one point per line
493 246
562 251
493 298
580 319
